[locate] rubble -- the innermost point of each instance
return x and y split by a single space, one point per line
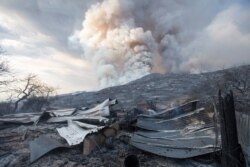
74 133
178 132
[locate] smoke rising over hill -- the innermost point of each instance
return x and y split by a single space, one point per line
127 39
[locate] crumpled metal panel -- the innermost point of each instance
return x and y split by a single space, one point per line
194 120
181 134
94 115
41 146
75 134
178 142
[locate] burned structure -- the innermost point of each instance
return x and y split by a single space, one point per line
168 131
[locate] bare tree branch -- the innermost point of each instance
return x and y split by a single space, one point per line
32 88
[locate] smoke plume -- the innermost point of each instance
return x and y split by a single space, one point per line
127 39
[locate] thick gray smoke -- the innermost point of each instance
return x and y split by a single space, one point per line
127 39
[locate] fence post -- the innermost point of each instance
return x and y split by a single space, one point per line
231 150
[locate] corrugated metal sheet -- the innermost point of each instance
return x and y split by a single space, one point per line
205 132
193 120
102 109
184 132
175 111
96 114
179 144
185 142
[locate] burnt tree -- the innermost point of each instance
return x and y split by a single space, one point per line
33 92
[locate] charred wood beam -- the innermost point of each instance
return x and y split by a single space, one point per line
231 150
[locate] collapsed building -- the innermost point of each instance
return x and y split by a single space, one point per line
180 132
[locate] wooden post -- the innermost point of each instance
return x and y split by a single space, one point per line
230 147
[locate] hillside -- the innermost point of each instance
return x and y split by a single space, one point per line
161 87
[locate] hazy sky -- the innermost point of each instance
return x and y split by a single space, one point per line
35 35
121 39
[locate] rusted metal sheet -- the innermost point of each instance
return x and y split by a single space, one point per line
43 145
243 124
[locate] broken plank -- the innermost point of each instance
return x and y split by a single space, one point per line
96 140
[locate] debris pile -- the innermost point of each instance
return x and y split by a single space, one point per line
81 123
181 132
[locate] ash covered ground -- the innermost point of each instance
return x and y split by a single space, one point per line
15 152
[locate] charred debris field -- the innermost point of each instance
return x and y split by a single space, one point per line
158 120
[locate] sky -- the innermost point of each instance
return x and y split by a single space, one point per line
85 45
34 34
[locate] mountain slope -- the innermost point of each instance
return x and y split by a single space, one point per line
158 88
